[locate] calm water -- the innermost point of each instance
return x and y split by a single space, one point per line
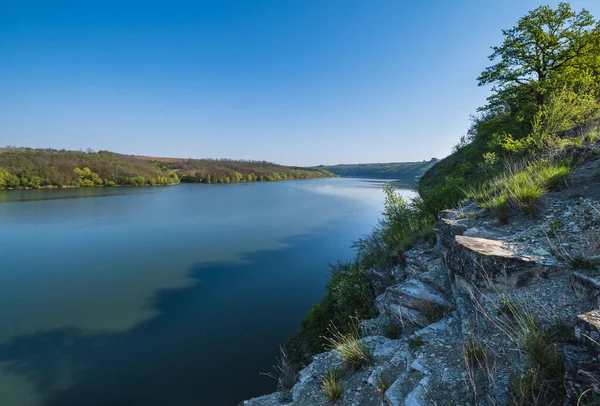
164 296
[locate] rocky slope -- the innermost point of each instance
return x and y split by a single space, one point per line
458 308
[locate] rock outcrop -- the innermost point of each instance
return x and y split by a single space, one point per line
455 305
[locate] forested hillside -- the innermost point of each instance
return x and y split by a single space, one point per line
226 170
405 172
33 168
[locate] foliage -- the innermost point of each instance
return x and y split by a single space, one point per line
544 100
214 171
581 262
349 293
543 46
400 226
26 167
382 384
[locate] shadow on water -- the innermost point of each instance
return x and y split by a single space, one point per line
205 347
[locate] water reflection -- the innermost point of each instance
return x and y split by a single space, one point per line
165 297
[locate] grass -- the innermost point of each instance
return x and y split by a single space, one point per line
354 354
332 385
392 331
415 342
475 354
383 384
582 262
283 372
507 307
521 187
554 228
541 383
434 312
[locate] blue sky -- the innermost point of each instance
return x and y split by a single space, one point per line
302 82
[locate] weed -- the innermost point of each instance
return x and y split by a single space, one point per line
434 312
507 307
554 228
415 342
332 385
392 331
354 353
383 384
542 382
581 262
283 372
285 397
475 354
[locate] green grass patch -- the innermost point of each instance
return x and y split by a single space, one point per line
415 342
521 187
332 385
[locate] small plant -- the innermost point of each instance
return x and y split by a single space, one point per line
554 228
285 396
415 342
283 372
354 353
392 331
507 307
383 384
434 312
475 354
581 262
332 385
542 382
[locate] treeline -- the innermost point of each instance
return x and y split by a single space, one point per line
34 168
230 171
405 172
26 167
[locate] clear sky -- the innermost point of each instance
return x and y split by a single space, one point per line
301 82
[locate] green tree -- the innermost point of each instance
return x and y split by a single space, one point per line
543 45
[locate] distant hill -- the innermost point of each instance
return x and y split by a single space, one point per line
33 168
407 173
